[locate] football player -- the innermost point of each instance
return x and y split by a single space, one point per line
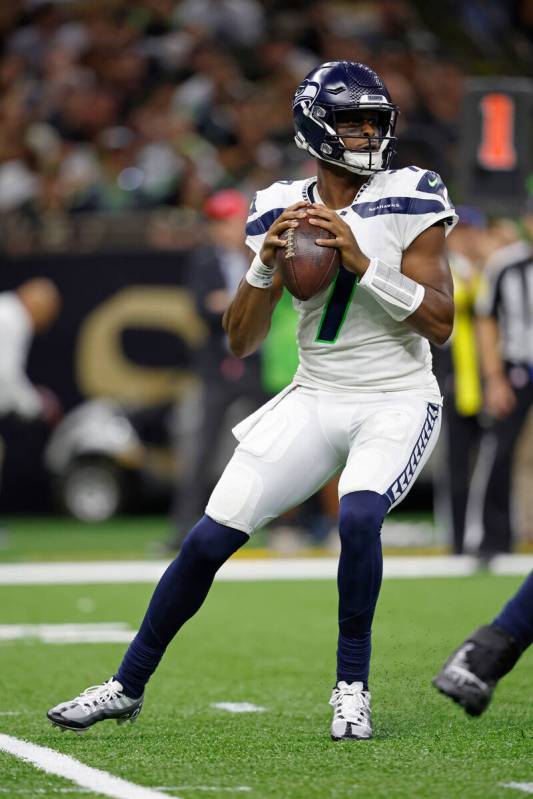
364 401
471 674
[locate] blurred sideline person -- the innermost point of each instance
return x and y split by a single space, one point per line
505 334
457 368
225 379
471 674
26 312
363 402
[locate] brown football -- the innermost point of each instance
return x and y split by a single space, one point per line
306 267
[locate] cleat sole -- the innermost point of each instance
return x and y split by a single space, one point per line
63 728
473 706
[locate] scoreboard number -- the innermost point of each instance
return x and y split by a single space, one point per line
496 149
496 153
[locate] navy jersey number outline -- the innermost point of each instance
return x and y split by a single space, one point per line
336 308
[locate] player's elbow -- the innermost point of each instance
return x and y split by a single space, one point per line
240 343
441 331
440 337
238 346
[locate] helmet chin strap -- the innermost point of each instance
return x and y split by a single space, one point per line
364 163
353 161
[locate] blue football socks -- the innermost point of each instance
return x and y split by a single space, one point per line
359 580
516 617
178 595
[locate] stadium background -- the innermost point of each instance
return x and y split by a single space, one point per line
118 120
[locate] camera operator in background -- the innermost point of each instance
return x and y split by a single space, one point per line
225 379
26 312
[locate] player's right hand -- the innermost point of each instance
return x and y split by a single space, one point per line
289 218
500 398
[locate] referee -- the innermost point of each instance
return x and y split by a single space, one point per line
505 327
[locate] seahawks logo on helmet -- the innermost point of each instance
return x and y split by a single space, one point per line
343 86
306 91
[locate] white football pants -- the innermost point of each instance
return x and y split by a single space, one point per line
296 442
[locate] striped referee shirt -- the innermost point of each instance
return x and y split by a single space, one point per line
508 298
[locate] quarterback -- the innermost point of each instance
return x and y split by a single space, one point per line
363 402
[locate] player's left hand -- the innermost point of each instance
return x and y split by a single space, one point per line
352 257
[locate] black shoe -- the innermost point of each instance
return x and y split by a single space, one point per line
470 675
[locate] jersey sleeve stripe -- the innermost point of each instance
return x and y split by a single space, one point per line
261 224
399 205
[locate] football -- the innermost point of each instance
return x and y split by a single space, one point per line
306 267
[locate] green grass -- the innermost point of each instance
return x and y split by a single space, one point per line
60 538
41 538
273 644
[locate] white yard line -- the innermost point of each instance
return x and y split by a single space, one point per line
93 633
238 707
525 787
64 766
244 570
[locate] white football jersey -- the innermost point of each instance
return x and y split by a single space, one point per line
346 340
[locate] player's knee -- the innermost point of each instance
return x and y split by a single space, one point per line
360 518
211 541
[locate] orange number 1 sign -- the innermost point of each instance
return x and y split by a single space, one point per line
496 150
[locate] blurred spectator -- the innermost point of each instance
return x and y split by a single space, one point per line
505 327
215 275
457 368
237 22
206 87
29 310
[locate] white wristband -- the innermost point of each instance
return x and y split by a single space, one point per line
397 294
260 275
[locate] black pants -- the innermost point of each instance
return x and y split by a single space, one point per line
498 535
462 434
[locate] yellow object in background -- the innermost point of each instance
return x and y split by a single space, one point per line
468 394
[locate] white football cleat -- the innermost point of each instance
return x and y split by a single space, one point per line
97 703
351 712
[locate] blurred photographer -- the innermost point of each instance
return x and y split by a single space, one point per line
26 312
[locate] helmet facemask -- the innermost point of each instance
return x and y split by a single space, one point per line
333 148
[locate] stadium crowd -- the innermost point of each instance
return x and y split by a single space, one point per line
142 104
117 105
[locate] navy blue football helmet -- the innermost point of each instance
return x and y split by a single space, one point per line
341 86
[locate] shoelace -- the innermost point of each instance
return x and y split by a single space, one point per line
351 705
99 694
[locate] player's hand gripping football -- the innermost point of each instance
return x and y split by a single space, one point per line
289 218
353 259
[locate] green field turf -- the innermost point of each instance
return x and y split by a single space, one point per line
60 538
272 644
41 538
